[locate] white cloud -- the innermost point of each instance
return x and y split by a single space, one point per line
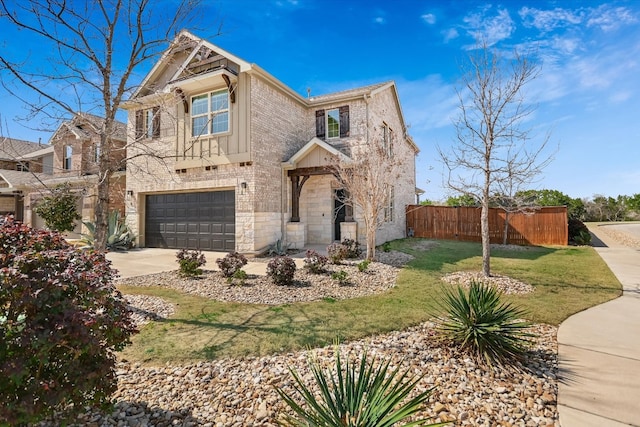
489 29
608 18
379 20
429 18
549 20
450 34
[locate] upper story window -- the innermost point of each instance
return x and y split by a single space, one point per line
96 152
22 166
68 151
210 113
387 139
333 123
389 207
148 123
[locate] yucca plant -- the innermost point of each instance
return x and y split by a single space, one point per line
479 322
354 395
119 235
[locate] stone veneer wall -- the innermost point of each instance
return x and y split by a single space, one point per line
316 209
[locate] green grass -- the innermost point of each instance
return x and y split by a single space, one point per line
567 280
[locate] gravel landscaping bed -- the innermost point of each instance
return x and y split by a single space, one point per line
506 285
241 392
261 290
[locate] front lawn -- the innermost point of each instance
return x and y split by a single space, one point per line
566 280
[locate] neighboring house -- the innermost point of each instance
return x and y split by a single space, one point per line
240 160
71 158
20 162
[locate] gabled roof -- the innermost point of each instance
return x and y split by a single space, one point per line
38 153
186 41
11 149
308 148
84 125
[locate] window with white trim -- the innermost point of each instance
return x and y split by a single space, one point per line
333 123
210 113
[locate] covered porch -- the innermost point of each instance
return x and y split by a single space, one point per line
319 214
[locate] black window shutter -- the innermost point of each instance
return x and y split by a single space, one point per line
139 124
156 122
320 132
344 121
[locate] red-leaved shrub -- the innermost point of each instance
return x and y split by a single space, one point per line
61 322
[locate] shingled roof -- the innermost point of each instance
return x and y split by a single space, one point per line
12 149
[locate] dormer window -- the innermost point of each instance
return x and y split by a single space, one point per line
333 123
210 113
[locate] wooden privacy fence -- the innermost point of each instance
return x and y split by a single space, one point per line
544 226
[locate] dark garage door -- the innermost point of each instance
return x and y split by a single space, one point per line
204 221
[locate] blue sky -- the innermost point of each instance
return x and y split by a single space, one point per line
587 96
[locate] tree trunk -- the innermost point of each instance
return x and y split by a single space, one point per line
102 213
505 239
371 244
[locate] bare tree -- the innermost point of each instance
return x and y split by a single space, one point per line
492 150
367 178
92 48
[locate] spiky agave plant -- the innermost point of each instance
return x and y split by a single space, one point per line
482 324
363 394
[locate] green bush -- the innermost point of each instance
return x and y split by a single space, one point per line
59 209
315 262
190 262
281 270
61 322
386 247
337 252
239 278
578 232
232 262
357 394
340 276
353 249
363 265
481 324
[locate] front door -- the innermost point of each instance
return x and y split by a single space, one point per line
339 213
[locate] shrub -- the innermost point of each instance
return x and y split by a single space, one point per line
315 262
61 320
363 265
480 323
386 247
119 236
239 278
578 232
340 276
281 270
370 392
190 262
337 252
353 249
232 262
59 209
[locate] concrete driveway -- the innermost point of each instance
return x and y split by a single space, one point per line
599 348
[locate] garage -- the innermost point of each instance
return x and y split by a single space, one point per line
204 221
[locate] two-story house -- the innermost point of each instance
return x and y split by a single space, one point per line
21 163
225 157
72 157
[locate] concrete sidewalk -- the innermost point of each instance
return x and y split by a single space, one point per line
599 349
138 262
